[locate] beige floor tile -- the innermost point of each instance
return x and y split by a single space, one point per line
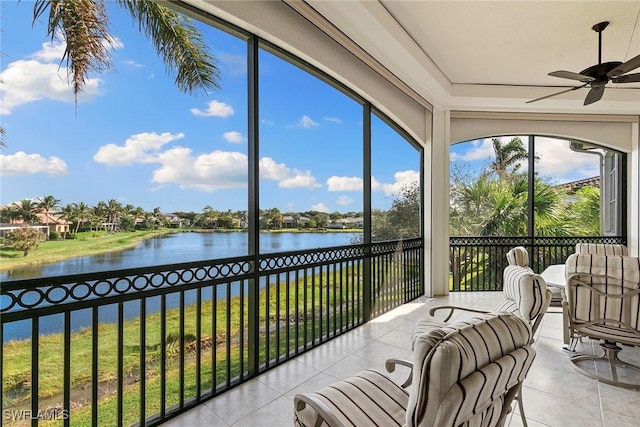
242 400
288 376
278 413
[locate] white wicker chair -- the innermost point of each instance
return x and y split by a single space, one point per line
601 249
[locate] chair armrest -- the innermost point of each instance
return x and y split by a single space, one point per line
390 366
322 411
451 309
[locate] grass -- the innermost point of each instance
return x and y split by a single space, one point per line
87 243
333 291
98 242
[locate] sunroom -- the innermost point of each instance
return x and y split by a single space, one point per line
427 77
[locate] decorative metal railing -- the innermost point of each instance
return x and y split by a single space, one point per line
476 263
139 346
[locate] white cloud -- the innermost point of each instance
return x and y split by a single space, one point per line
320 207
480 149
134 64
22 163
139 148
233 137
401 180
208 172
333 119
557 159
344 200
306 122
344 183
41 76
215 108
299 179
351 183
269 169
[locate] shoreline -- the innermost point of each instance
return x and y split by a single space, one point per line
88 245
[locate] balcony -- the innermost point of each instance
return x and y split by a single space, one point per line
554 394
136 346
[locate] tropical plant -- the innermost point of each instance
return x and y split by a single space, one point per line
48 204
586 210
402 220
26 211
509 156
84 26
25 239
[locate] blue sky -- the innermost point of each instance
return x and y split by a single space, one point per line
136 139
557 162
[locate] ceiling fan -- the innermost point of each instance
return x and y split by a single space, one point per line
597 76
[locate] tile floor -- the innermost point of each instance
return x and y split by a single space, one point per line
554 394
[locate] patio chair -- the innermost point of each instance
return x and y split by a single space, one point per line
525 294
601 249
603 303
520 256
466 373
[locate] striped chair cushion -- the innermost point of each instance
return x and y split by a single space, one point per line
601 249
465 369
525 293
367 399
465 374
518 256
599 315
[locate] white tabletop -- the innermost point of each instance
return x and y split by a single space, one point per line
554 276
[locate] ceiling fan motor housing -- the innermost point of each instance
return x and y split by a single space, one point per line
599 71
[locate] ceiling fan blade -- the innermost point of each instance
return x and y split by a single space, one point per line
631 64
627 78
594 95
554 94
572 76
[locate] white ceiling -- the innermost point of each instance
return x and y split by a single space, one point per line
495 54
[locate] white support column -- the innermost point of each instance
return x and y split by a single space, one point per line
633 193
436 193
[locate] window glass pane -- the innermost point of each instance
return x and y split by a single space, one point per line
135 154
489 187
567 188
310 160
395 184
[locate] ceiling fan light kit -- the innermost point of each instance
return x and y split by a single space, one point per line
597 76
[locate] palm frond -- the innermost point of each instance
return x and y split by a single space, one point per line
179 44
83 25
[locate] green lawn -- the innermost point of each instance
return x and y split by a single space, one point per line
87 243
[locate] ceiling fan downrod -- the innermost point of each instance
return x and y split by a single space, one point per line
599 28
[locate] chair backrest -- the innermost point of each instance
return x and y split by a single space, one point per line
601 249
518 256
525 295
603 296
469 371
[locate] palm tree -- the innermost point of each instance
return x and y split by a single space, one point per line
47 204
84 25
68 213
113 209
82 214
508 155
26 210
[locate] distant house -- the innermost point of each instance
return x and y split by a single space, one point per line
574 186
350 222
289 221
55 222
6 228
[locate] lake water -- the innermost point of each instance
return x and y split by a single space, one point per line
167 249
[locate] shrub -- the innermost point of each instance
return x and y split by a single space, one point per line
54 235
25 239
